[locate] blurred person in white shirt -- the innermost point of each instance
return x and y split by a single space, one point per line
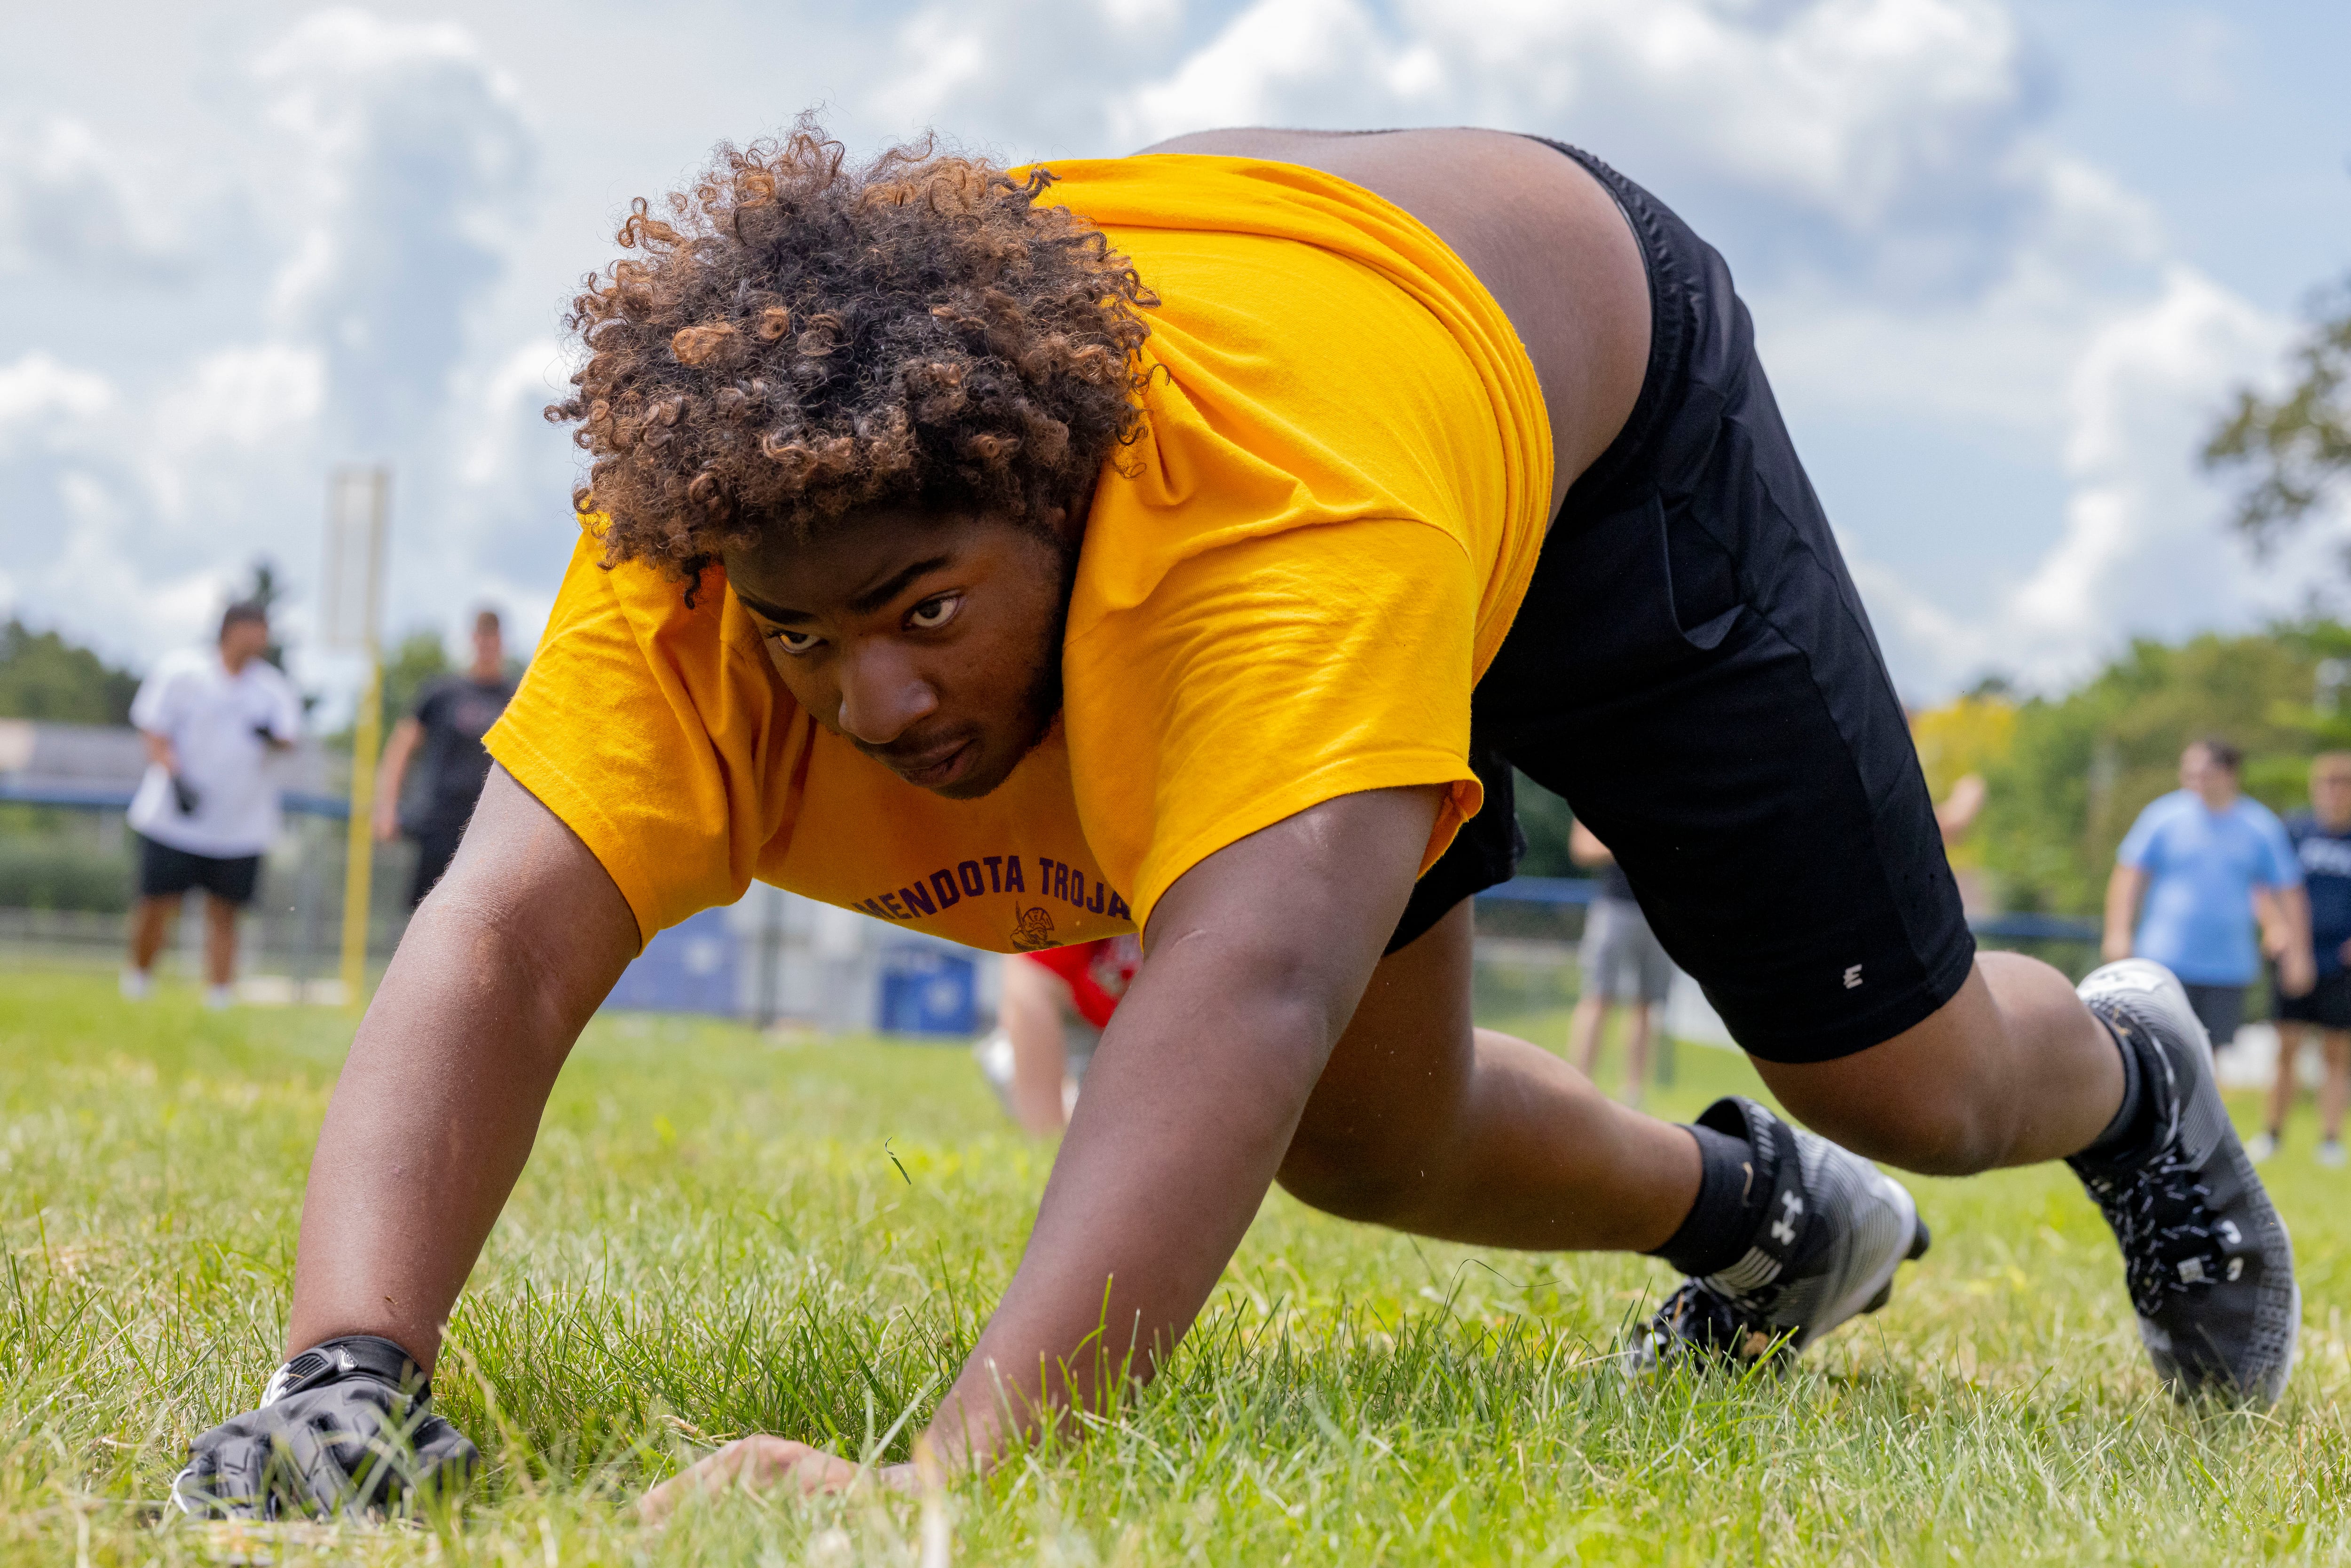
207 808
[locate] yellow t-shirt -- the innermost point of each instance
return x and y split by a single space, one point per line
1286 596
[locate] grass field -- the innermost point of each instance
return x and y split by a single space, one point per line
714 1237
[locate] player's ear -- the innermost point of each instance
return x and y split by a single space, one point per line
1068 520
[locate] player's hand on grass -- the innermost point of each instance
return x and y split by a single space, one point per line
345 1427
755 1464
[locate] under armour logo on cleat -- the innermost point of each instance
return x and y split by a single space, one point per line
1783 1230
1852 978
2230 1234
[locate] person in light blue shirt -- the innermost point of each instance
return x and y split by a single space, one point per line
2198 859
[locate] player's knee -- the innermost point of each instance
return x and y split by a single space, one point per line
1348 1174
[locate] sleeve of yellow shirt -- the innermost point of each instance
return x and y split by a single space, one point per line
1268 676
648 729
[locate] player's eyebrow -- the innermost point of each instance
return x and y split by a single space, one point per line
882 593
771 612
863 603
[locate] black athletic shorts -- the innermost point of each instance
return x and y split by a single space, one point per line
2219 1008
2328 1005
164 873
1693 671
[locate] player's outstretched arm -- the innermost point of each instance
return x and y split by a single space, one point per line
1257 958
430 1121
440 1100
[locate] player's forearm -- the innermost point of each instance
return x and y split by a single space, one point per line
392 772
2297 962
1258 956
437 1106
1189 1105
431 1123
2294 909
1585 848
2123 890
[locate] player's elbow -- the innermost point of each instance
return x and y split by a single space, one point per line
1284 982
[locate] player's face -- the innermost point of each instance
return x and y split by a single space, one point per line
2199 774
244 642
933 644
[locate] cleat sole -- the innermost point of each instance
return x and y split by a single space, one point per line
1920 1243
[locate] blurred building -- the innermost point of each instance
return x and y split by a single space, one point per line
99 766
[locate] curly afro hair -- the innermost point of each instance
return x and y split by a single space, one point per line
802 337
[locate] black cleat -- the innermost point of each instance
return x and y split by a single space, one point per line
1834 1232
2207 1258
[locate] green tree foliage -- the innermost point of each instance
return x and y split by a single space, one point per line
2297 447
43 675
2083 764
1546 819
263 588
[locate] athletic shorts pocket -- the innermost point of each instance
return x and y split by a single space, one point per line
1625 601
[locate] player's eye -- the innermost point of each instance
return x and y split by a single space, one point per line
792 642
933 613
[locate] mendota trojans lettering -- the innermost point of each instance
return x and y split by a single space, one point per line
950 885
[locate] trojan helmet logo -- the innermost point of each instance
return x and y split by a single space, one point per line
1032 930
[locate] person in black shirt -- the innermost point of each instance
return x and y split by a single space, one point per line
451 715
2322 842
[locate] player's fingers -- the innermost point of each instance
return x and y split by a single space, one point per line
445 1456
310 1476
198 1482
238 1475
757 1463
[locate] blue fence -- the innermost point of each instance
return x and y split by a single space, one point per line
928 990
695 966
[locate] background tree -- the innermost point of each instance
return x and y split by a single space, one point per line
2296 449
263 588
420 657
43 676
2079 768
1546 819
51 858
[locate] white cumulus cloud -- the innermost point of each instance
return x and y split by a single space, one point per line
38 389
415 150
70 204
342 262
403 160
2139 548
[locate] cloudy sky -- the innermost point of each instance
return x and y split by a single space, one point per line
2006 259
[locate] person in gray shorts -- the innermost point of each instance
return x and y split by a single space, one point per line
1622 962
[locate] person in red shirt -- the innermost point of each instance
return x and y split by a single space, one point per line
1053 1000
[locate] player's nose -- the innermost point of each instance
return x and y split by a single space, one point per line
883 695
